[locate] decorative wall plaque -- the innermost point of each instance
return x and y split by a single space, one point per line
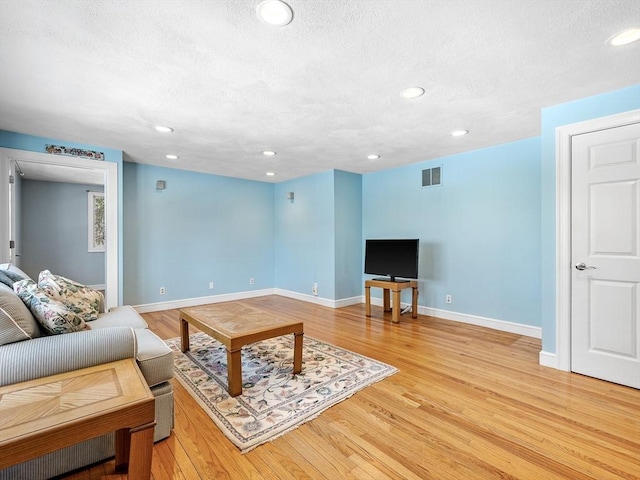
74 152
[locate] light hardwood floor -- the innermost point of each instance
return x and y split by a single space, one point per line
468 402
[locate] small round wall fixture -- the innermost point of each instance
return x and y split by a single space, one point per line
172 157
459 133
274 12
625 37
412 92
163 129
268 153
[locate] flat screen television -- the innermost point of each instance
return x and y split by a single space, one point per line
392 258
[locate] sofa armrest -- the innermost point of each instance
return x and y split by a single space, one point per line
40 357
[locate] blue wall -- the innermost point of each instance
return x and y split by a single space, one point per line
479 231
348 234
318 235
32 143
304 235
54 221
200 229
565 114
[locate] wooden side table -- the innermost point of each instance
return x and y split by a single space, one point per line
396 288
49 413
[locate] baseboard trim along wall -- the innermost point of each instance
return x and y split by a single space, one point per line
194 302
504 326
548 359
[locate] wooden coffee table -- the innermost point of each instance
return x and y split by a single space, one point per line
236 325
49 413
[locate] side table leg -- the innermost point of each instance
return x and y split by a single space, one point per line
184 335
297 353
414 303
234 372
395 312
123 441
141 453
385 299
367 301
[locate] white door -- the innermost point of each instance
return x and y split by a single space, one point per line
605 251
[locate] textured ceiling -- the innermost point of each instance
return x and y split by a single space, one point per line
322 91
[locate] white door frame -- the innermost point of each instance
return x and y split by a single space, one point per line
563 224
110 172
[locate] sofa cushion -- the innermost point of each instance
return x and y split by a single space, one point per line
12 268
16 321
81 299
124 316
52 314
154 357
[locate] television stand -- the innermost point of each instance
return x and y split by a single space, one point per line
392 286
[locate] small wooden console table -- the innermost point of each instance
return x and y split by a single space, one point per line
396 288
49 413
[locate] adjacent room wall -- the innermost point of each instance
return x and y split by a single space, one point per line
478 231
54 221
32 143
588 108
201 228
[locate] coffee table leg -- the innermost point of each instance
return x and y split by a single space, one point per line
234 372
184 335
297 352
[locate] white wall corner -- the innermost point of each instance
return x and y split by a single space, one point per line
548 359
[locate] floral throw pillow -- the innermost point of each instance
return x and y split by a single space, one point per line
52 314
79 298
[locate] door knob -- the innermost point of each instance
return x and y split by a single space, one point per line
582 266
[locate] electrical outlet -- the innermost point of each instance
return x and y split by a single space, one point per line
448 299
314 289
162 291
252 281
210 285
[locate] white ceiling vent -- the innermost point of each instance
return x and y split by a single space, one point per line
432 177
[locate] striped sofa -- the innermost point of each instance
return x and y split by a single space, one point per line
27 353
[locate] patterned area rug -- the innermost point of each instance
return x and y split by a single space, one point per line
273 401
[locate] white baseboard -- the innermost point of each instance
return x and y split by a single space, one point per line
193 302
511 327
502 325
548 359
325 302
227 297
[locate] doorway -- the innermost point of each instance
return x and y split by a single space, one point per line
60 167
592 324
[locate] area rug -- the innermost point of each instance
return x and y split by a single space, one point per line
273 400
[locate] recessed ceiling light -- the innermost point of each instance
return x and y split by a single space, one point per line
459 133
373 156
271 174
173 157
412 92
625 37
163 129
274 12
269 153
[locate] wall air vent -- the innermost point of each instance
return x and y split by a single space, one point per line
432 177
